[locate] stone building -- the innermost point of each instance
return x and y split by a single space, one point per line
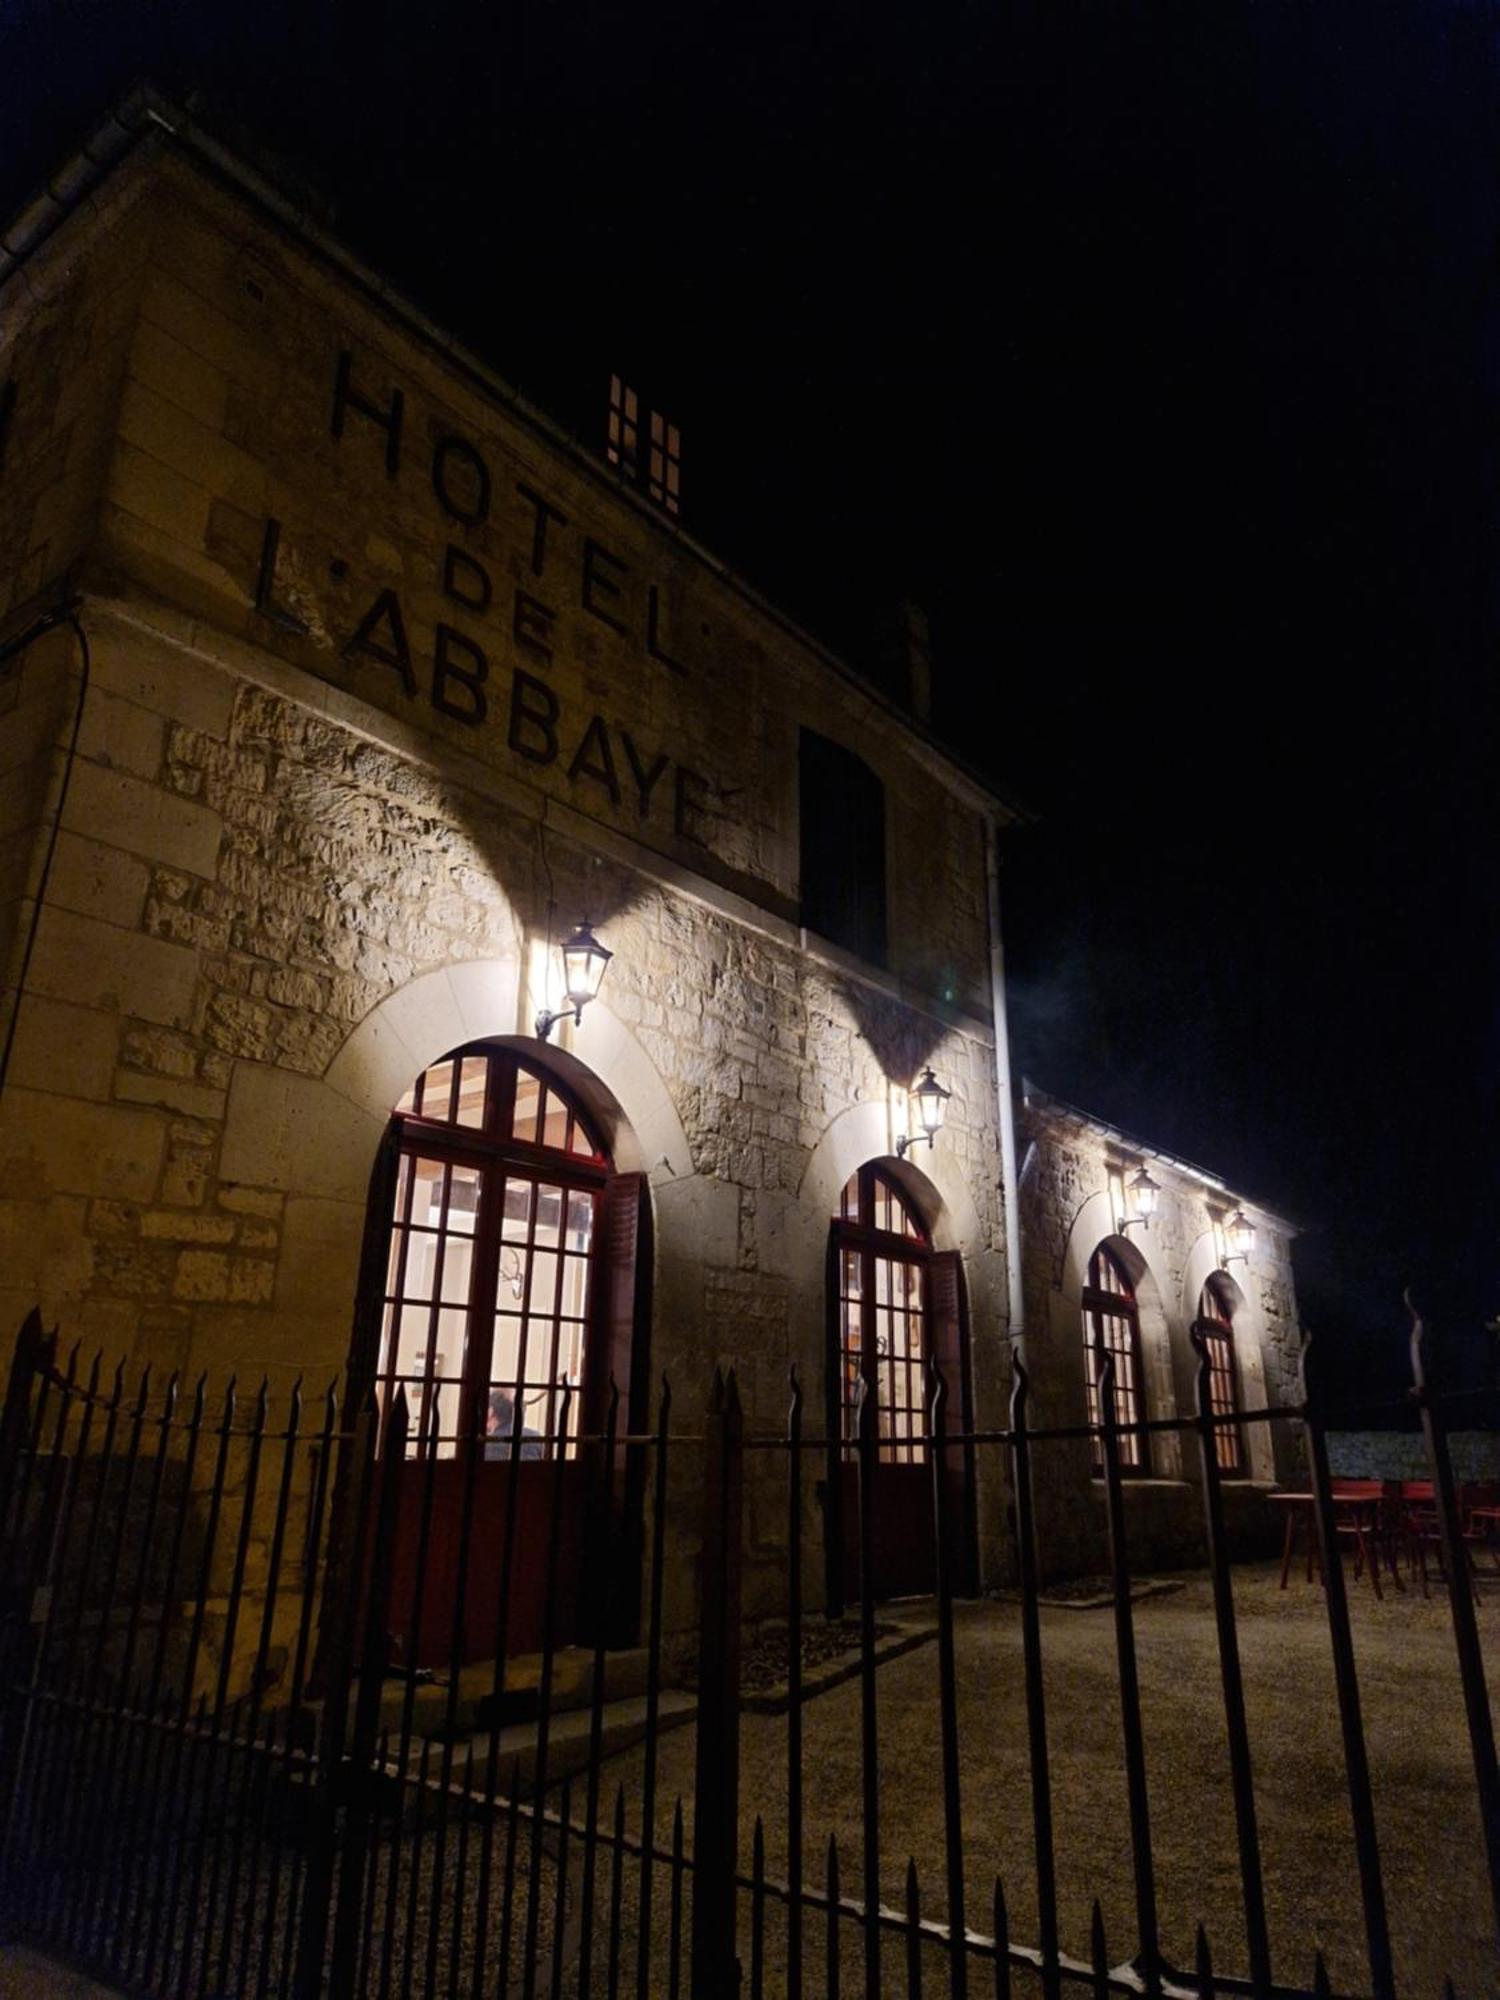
337 687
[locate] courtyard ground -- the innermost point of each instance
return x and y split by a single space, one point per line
1422 1774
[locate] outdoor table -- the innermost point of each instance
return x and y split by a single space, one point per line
1364 1512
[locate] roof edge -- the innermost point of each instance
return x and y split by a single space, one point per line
144 112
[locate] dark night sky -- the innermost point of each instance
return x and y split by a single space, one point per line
1153 349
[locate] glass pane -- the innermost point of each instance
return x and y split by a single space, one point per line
437 1091
849 1199
458 1258
580 1220
882 1280
517 1218
555 1123
579 1141
421 1264
463 1199
549 1211
528 1105
427 1191
541 1289
512 1278
393 1264
505 1354
471 1091
882 1206
851 1274
575 1291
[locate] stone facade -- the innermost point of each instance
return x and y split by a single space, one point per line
385 684
1073 1199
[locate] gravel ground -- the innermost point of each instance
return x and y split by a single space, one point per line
1418 1747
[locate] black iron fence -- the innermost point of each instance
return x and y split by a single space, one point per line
222 1770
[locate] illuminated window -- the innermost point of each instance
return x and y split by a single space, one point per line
489 1277
842 837
1216 1328
1109 1314
659 468
882 1252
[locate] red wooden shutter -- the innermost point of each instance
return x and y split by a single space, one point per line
949 1320
621 1350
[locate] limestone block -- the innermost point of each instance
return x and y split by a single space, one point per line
70 1050
319 1255
94 965
119 734
143 819
292 1132
54 1144
97 881
485 991
698 1219
426 1015
163 363
150 670
375 1067
194 1100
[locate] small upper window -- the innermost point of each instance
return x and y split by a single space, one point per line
644 445
505 1099
842 823
1216 1328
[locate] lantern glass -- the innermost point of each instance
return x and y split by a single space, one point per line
931 1101
1143 1193
584 962
1241 1233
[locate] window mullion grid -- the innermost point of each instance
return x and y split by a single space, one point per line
518 1413
557 1289
430 1392
389 1371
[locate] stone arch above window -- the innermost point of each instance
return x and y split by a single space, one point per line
1215 1327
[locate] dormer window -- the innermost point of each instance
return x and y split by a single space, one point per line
644 446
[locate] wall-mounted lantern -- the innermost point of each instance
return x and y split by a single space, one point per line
584 963
929 1101
1140 1194
1239 1237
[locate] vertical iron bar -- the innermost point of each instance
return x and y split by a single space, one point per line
616 1896
653 1698
1461 1607
953 1825
263 1647
414 1883
1203 1966
508 1876
1098 1949
461 1879
427 1458
715 1967
372 1870
1356 1762
758 1912
603 1567
560 1899
1240 1770
869 1741
1036 1696
361 1792
544 1693
831 1971
794 1691
1130 1693
674 1937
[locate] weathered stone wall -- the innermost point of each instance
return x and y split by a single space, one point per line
1072 1200
286 880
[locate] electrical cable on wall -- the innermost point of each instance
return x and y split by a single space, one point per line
66 614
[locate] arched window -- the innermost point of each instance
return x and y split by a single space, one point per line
1110 1316
490 1278
883 1255
1216 1328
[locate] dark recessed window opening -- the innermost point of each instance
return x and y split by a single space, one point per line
843 847
659 467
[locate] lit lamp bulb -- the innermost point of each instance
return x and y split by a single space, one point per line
1239 1234
1143 1192
929 1100
584 963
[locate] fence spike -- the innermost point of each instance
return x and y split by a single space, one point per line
1001 1922
1099 1953
1448 1992
1321 1988
1204 1966
913 1931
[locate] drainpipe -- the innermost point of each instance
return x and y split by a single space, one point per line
1009 1180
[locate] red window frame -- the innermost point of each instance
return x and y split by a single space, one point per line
883 1253
459 1121
1110 1309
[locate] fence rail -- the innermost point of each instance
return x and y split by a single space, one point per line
222 1772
